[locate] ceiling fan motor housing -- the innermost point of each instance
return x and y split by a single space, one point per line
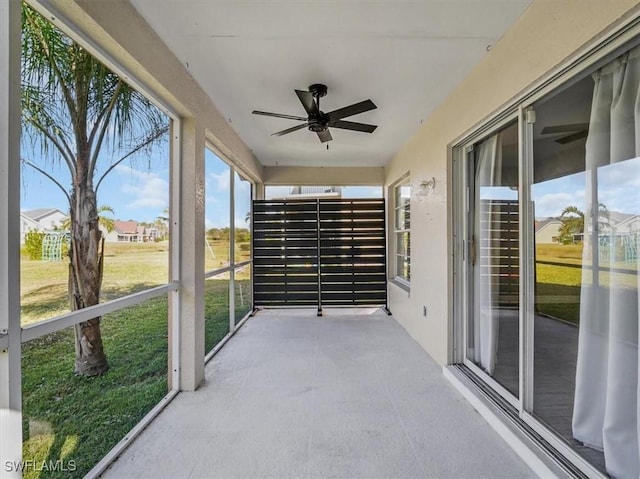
318 123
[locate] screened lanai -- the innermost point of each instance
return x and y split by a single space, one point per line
483 324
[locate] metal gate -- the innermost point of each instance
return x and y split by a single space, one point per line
321 252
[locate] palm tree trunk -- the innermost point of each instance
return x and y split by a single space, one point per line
85 278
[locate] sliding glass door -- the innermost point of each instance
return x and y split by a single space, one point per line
493 327
551 286
587 173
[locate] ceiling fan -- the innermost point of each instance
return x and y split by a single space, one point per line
574 131
318 121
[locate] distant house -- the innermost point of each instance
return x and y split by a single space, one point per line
624 223
547 230
311 192
130 232
41 219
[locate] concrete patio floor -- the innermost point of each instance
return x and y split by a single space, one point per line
348 395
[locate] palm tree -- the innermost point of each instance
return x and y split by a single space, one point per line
73 106
107 223
573 221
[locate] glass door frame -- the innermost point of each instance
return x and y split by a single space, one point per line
464 179
462 206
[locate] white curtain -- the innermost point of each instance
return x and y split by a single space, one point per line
606 406
486 320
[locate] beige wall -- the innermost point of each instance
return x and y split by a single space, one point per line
335 176
544 37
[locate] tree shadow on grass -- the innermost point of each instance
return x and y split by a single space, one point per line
46 301
71 418
52 300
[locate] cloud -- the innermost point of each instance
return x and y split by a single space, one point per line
623 174
218 182
552 204
148 189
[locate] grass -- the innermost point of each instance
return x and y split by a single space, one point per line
129 268
559 280
72 418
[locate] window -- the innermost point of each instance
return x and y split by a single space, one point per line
402 230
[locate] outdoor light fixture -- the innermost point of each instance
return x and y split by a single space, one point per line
426 186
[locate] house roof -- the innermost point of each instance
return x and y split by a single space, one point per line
616 218
540 224
40 213
126 227
30 220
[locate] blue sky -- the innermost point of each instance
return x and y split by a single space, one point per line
217 194
618 190
136 189
139 189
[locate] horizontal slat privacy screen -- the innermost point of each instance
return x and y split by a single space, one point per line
319 252
498 248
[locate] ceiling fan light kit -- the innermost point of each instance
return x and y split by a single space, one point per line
318 121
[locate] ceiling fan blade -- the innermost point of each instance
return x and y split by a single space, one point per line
289 130
567 128
573 137
309 104
352 125
325 136
350 110
278 115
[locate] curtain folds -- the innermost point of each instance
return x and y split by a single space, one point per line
488 174
606 405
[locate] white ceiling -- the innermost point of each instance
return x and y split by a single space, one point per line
406 56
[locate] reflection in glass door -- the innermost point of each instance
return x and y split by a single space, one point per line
493 329
577 245
587 173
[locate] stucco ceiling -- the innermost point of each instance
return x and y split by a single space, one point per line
406 56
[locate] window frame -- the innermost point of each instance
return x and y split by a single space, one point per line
400 230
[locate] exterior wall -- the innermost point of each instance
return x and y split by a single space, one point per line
548 233
300 175
546 35
52 220
26 225
48 222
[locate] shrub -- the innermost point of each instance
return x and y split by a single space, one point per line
33 244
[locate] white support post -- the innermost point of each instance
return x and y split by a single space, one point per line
173 310
10 340
232 249
190 230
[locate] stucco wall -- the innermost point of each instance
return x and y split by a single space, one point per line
292 175
546 35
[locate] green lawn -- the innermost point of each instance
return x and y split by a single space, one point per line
80 419
72 418
129 267
559 279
